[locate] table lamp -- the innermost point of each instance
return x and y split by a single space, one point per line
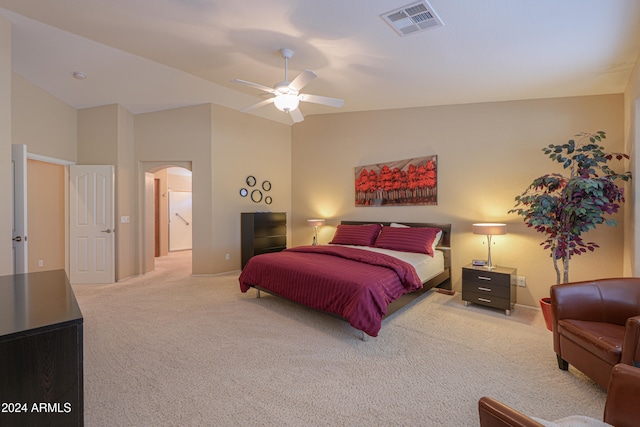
489 229
315 223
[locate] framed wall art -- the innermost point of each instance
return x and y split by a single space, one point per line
398 183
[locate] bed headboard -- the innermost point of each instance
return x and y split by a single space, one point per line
445 241
444 246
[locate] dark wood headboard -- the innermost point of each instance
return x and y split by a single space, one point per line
445 241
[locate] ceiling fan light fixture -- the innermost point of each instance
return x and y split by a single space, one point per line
286 94
286 102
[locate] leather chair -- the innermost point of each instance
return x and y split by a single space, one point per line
596 325
622 408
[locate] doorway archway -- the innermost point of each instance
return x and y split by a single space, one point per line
147 229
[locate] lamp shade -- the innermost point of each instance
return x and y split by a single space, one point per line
490 229
315 222
286 102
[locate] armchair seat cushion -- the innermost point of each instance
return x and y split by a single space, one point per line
573 421
600 339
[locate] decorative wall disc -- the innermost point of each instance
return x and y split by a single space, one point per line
256 196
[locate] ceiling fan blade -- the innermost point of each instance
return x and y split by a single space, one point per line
324 100
303 79
296 115
255 85
258 105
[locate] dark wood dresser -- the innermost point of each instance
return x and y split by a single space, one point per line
493 288
41 353
262 232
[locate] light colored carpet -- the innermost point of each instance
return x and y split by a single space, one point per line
168 349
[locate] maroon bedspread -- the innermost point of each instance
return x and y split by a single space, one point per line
353 283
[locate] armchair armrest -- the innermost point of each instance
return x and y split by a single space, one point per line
631 342
623 397
497 414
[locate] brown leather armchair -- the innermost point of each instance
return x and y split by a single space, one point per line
622 408
596 325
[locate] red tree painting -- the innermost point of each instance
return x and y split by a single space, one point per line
403 182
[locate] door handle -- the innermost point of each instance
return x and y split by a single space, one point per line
17 239
106 231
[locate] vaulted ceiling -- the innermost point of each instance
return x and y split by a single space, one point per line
154 54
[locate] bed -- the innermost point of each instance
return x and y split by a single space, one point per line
363 276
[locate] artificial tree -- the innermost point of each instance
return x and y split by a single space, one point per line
564 207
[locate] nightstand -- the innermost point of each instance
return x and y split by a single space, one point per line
493 288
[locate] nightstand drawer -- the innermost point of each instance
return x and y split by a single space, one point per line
493 288
486 277
488 300
488 289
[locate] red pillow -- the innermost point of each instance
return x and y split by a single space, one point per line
418 239
359 235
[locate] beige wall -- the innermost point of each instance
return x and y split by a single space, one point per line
46 125
32 117
46 216
177 182
223 146
246 145
125 198
98 135
632 144
48 128
487 154
105 137
180 135
6 263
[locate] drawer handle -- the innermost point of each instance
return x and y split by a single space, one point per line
484 300
484 278
480 288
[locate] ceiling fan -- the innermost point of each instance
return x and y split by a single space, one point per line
286 94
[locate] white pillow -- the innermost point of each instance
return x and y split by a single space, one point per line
395 224
573 421
435 241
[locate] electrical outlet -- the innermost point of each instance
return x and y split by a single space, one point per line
227 257
41 263
521 281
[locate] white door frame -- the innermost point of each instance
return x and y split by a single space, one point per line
19 209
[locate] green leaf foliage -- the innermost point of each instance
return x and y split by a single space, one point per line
563 208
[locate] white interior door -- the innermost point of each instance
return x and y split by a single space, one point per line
180 213
92 224
19 211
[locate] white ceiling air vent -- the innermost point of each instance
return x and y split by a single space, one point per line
412 18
